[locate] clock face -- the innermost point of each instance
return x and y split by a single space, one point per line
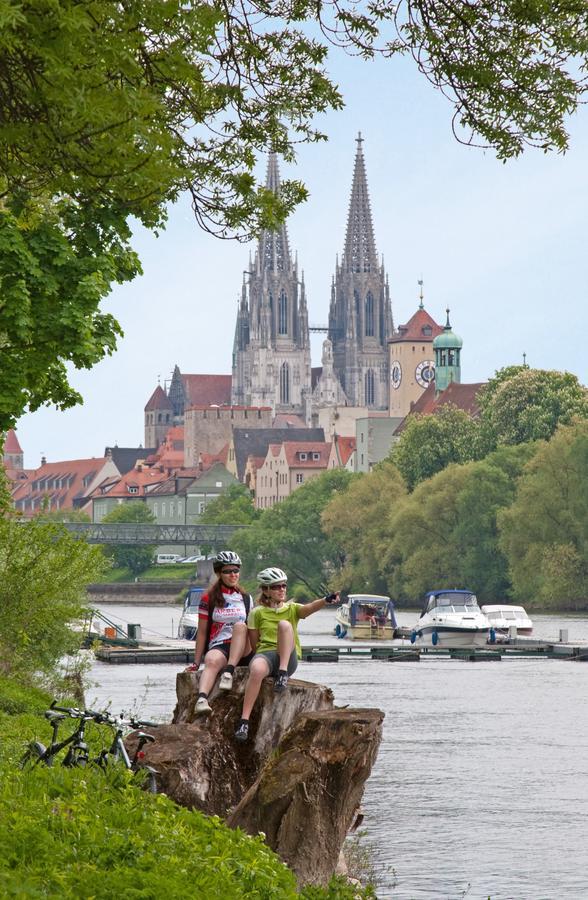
425 372
396 374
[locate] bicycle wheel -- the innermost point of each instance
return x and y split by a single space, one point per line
146 779
34 754
75 759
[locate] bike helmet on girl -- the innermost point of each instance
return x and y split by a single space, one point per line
225 558
272 576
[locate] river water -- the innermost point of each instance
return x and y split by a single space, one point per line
480 788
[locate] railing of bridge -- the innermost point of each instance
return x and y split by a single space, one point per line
143 533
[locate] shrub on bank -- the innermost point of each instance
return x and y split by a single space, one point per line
78 833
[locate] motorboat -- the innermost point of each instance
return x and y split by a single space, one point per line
188 625
366 616
503 617
451 619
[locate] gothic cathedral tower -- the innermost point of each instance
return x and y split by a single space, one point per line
360 315
271 351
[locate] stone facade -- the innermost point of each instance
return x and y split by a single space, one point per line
412 361
207 429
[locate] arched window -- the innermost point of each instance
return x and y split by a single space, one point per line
284 383
283 314
370 388
369 315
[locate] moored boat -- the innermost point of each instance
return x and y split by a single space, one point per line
503 617
366 616
451 619
188 624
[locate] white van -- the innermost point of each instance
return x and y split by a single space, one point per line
167 558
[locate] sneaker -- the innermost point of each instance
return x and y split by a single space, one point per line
226 682
280 682
202 707
242 732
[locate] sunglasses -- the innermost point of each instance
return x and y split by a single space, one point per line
230 571
278 587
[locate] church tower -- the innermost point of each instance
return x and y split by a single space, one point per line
447 347
271 350
360 315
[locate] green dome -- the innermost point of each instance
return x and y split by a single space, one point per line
447 339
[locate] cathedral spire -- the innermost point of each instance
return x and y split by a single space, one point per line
273 250
360 247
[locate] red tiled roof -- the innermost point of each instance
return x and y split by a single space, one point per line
66 485
414 330
11 444
288 420
463 396
158 400
206 390
344 447
141 478
292 448
209 459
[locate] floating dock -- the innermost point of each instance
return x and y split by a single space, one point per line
182 652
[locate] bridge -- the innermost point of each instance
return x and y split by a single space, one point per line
143 534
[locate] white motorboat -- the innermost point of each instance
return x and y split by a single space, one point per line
188 625
503 617
451 619
366 616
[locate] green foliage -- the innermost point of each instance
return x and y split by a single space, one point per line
429 443
233 507
72 833
521 404
43 575
357 520
445 533
134 558
290 535
545 532
63 515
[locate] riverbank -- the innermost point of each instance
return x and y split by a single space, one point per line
138 593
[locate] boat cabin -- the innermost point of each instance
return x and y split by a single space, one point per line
450 601
373 608
192 600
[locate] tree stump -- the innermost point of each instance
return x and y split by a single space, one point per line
299 778
307 794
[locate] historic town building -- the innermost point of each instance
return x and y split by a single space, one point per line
271 350
360 315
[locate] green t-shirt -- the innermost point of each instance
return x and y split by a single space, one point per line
265 620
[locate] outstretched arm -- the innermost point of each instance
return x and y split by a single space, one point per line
309 608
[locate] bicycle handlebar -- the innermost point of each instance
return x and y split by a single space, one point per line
102 717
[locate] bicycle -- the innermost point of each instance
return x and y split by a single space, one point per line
118 752
78 751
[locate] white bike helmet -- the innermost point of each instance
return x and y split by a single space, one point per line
225 558
272 576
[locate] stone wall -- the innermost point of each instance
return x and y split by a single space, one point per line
208 428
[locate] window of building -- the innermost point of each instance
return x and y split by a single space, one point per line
283 313
285 383
369 315
370 388
299 478
316 456
132 489
201 506
302 455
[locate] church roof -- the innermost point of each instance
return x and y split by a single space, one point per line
158 400
11 444
207 390
255 442
360 253
420 327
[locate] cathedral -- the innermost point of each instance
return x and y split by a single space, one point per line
271 351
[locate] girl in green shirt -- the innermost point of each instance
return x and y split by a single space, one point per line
273 634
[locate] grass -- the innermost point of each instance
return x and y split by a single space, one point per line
177 572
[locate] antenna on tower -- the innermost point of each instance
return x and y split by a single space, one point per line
420 284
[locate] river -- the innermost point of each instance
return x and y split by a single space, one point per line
480 788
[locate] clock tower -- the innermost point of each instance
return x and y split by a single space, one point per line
412 360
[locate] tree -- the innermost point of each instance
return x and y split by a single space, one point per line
43 575
127 556
233 507
290 534
357 520
544 534
521 404
445 533
429 443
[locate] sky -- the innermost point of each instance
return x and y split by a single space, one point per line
503 245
